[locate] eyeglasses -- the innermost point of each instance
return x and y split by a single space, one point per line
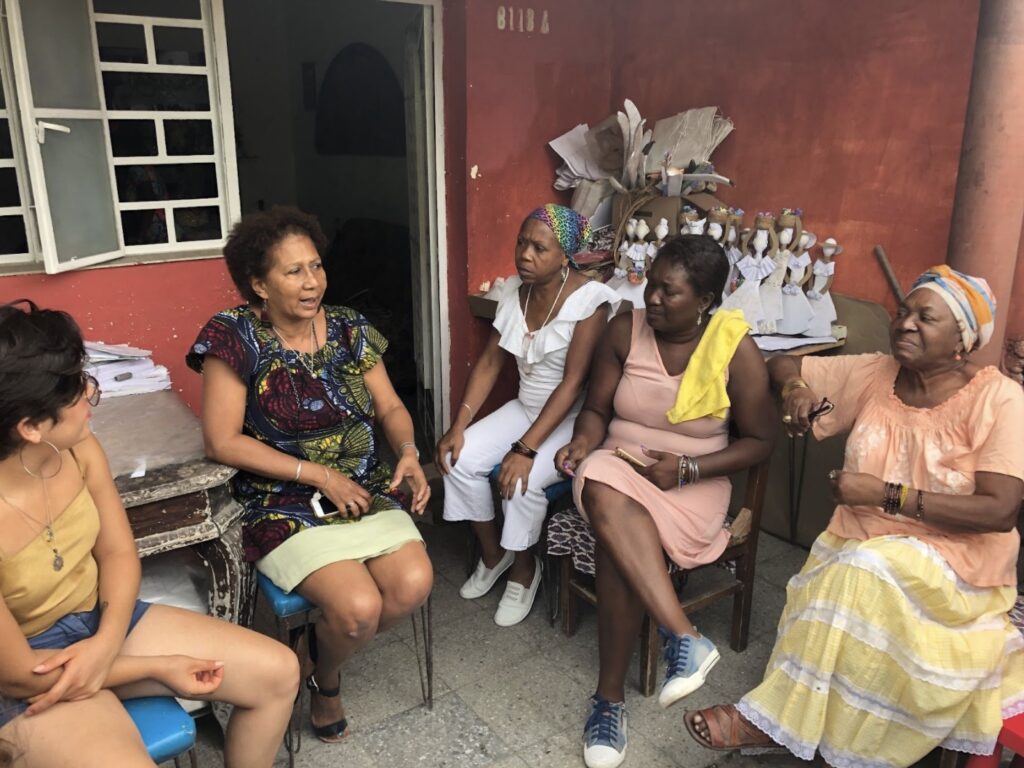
825 406
91 390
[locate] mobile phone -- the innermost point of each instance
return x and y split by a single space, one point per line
323 506
626 456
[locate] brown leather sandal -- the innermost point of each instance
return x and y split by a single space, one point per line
727 730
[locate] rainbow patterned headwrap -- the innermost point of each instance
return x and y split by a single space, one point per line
969 298
572 229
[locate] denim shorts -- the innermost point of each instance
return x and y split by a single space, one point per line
67 631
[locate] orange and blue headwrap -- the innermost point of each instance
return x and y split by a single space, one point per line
572 229
969 298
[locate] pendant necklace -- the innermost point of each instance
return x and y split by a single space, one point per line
48 532
298 355
531 335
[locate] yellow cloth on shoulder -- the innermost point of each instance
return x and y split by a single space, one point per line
702 389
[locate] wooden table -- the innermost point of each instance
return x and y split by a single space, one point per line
182 499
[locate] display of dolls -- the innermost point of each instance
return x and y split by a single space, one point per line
820 293
632 262
718 229
788 229
758 247
690 222
796 309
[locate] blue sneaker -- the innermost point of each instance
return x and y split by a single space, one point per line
604 735
688 660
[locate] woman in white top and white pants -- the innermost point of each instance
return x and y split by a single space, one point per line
549 319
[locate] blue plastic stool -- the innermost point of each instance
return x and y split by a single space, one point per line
167 730
292 614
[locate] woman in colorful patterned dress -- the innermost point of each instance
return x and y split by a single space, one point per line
895 637
292 391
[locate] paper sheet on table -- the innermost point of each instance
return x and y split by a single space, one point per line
779 343
99 352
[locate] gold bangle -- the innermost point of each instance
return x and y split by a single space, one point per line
795 383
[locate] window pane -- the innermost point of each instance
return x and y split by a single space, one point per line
12 235
133 138
6 150
179 45
197 223
58 42
78 187
189 137
9 196
173 9
165 182
144 227
121 42
142 90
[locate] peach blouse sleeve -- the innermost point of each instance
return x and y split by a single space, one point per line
847 381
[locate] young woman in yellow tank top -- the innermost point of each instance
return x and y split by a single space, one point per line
75 637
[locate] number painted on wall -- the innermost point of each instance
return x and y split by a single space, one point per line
519 19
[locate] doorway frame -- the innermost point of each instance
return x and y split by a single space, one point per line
440 355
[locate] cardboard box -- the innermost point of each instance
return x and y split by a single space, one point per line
657 208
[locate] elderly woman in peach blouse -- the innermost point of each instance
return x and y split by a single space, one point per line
895 637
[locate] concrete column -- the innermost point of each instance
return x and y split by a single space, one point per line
989 208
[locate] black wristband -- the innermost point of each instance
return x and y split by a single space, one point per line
523 449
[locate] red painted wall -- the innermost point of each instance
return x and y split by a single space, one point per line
852 111
156 306
509 93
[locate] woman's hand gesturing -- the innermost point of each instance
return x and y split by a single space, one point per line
796 409
409 469
450 442
515 468
351 499
664 472
569 457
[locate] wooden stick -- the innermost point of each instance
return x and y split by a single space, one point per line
890 276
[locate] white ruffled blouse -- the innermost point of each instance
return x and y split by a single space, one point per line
541 361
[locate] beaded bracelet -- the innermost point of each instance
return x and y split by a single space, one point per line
891 500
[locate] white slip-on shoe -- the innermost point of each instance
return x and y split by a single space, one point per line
483 578
517 601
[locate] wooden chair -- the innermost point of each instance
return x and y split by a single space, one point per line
741 552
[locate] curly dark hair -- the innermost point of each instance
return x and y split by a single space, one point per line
247 251
41 358
704 261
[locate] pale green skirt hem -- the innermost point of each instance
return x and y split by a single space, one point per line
311 549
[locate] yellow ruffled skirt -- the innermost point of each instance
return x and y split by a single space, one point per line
883 654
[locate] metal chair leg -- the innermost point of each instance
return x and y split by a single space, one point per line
193 759
426 665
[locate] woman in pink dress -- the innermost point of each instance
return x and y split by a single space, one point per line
664 386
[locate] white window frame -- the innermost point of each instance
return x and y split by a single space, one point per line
220 114
18 163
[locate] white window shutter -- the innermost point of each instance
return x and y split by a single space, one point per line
66 143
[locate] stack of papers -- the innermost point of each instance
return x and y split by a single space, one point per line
124 370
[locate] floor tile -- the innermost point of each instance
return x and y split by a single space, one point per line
449 736
528 701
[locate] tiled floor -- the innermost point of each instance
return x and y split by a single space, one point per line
511 698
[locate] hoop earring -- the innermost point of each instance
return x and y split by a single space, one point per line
30 473
264 313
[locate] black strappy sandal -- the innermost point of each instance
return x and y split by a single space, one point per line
332 733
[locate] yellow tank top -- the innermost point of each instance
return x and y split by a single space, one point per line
38 596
